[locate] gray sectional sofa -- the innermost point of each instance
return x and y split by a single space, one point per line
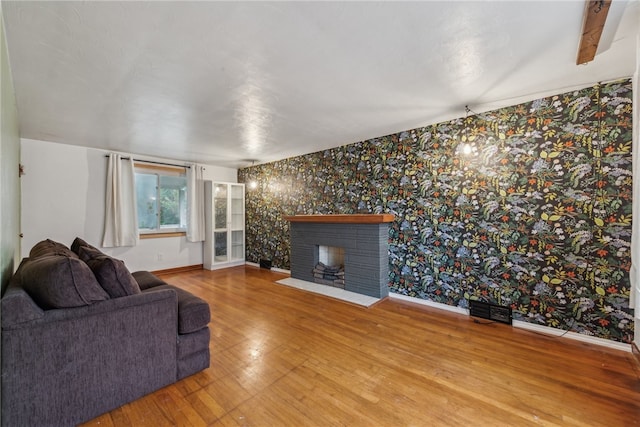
81 335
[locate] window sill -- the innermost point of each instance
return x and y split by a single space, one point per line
162 235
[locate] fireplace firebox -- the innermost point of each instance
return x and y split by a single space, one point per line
329 270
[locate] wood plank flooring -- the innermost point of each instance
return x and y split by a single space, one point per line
284 357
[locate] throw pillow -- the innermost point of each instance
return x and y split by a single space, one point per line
111 273
57 281
49 247
78 243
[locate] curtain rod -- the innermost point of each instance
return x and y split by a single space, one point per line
155 163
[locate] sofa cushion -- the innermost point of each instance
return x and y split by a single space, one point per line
147 280
57 281
193 311
50 247
111 273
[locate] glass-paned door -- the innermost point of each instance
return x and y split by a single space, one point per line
220 235
237 222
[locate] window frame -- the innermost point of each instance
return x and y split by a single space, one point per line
140 167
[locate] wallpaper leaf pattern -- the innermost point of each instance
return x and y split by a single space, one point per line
536 217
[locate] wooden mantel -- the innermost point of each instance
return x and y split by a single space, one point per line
342 218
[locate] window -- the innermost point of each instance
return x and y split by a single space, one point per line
161 194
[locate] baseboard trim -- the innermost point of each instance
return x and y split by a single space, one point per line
429 303
572 335
277 270
179 269
223 265
525 325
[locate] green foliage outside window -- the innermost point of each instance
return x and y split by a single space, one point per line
169 207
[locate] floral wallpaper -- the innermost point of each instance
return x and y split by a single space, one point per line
527 206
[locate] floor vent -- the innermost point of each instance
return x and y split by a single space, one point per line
265 263
490 311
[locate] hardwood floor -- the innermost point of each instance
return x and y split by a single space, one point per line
285 357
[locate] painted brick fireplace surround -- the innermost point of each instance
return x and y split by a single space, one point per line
365 239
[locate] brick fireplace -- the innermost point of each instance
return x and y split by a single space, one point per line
364 238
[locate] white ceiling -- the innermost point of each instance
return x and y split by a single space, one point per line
224 82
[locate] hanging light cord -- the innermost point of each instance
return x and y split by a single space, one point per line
466 123
467 110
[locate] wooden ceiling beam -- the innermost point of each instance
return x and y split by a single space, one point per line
595 15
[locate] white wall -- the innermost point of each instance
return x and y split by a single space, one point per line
63 195
9 159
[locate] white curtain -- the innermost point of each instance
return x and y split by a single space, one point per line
195 203
120 214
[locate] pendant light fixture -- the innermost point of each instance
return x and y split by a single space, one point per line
253 184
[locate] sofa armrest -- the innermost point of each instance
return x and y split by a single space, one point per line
147 280
18 307
193 312
73 364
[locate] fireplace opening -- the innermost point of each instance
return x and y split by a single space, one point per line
329 270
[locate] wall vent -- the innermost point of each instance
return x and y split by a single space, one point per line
486 310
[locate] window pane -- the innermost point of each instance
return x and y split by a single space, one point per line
169 204
146 200
161 200
173 191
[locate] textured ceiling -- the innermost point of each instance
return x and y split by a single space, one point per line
225 82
